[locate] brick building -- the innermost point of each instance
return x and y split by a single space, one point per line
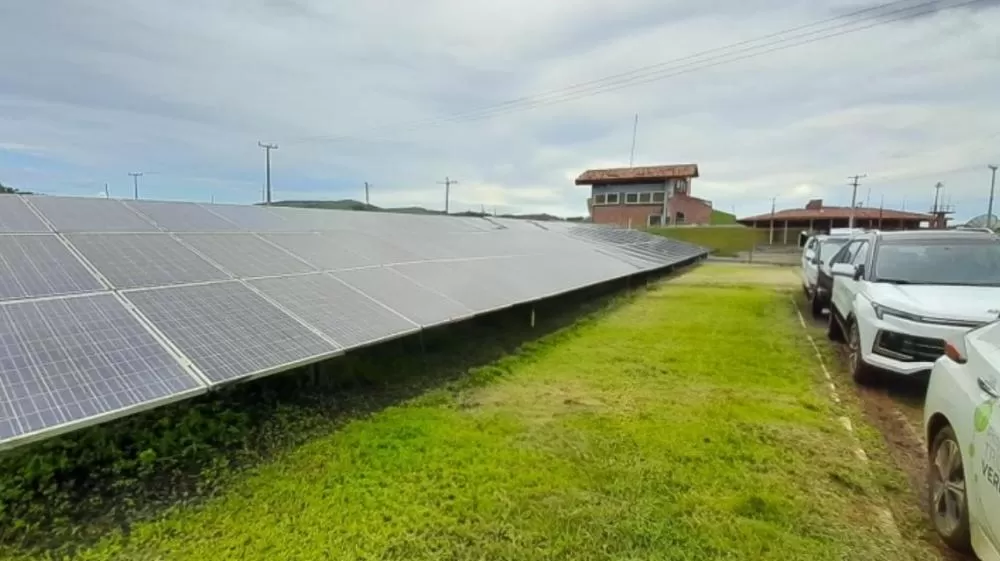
642 196
818 218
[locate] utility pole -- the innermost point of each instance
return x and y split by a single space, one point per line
855 181
135 183
635 128
881 207
993 185
267 150
770 236
937 193
367 202
448 182
107 193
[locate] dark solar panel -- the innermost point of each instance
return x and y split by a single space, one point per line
40 265
337 310
67 360
229 331
144 260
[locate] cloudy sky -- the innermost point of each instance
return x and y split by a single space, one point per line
393 92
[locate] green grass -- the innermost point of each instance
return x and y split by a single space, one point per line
724 241
670 427
721 218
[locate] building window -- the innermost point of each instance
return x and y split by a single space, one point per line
679 218
645 198
598 199
658 196
653 220
612 199
631 198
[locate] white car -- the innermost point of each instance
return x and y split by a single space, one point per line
898 297
816 255
962 423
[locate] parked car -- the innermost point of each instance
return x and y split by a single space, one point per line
962 424
898 297
816 279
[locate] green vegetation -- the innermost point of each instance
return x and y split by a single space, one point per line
720 218
672 426
724 241
8 190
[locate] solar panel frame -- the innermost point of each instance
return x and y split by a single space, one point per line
182 217
342 313
416 302
230 332
36 265
463 281
144 260
69 214
73 361
17 217
245 255
254 218
325 252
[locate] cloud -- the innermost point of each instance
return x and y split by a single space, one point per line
186 89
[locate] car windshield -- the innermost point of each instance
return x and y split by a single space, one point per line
955 262
829 247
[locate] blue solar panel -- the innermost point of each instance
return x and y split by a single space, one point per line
64 361
40 265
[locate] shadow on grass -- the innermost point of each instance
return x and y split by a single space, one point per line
60 494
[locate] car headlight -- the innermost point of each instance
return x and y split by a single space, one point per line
882 311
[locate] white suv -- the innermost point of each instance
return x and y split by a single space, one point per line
900 296
962 423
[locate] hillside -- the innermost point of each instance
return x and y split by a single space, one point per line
351 204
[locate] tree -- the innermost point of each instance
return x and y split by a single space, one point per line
6 190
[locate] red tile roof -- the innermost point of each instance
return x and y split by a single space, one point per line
632 175
836 212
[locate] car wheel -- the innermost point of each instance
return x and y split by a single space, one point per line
816 305
860 371
949 505
833 330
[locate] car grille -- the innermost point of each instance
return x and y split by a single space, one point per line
908 348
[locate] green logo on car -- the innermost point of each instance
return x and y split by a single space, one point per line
981 419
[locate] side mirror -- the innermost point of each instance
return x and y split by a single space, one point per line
816 261
810 254
859 272
843 270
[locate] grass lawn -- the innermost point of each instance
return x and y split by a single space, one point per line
725 241
688 422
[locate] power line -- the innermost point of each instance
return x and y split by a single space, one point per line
660 71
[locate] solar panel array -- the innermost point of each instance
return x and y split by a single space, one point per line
110 307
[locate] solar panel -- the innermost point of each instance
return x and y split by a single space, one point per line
420 305
344 315
183 217
462 281
325 252
254 218
40 265
228 331
377 250
15 216
63 361
67 214
142 260
245 255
